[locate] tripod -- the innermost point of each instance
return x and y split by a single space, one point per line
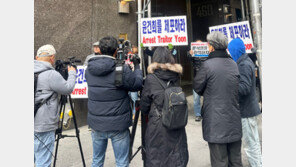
59 134
144 119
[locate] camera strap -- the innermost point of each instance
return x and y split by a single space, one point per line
119 73
38 104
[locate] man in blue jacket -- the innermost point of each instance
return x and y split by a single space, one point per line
109 114
248 103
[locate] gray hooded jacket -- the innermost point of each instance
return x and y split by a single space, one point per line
50 82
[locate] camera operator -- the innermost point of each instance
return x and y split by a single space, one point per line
109 114
50 83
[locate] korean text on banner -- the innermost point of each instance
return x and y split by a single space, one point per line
200 49
161 31
80 91
235 30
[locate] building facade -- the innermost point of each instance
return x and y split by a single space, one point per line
73 26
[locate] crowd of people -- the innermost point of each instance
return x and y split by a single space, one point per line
228 113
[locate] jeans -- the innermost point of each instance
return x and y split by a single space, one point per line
196 104
134 97
43 148
120 142
251 141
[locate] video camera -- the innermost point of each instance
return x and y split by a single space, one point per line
124 52
61 66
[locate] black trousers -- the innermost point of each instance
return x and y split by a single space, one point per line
226 155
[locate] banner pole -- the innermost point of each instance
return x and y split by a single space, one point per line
139 30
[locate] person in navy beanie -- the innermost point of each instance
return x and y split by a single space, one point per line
248 102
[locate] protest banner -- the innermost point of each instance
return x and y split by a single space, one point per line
235 30
80 91
200 49
161 31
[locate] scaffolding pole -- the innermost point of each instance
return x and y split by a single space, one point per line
139 30
243 10
257 32
149 16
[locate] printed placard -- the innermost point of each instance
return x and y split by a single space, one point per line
233 30
200 49
161 31
81 90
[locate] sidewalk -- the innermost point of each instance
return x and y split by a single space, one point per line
69 154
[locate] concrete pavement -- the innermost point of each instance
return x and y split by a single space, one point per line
69 154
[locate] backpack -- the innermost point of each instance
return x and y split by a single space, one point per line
38 104
175 110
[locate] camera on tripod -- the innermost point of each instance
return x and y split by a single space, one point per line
124 52
61 66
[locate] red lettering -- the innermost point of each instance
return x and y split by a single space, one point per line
149 40
164 39
180 39
176 37
78 91
248 46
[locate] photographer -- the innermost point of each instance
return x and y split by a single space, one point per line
50 83
109 114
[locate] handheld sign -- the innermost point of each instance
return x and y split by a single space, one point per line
200 49
161 31
236 30
80 91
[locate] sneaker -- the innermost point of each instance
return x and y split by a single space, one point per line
198 118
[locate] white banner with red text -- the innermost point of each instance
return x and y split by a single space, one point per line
80 91
161 31
237 30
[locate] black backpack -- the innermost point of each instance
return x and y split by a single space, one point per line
175 110
38 104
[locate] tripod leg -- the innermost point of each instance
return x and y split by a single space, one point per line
56 151
77 131
59 131
134 128
144 119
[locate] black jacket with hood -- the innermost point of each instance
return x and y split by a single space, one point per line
108 105
163 147
248 102
217 81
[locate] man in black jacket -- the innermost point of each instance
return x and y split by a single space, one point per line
217 81
248 102
109 114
